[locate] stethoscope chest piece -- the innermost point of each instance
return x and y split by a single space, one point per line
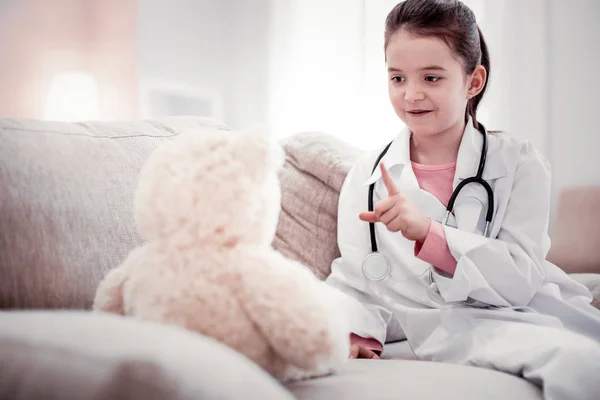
376 267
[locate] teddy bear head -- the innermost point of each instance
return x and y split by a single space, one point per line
211 187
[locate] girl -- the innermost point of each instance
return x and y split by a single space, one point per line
458 292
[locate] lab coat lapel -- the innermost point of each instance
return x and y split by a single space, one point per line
472 203
469 155
397 161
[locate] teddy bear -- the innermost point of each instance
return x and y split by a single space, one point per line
206 206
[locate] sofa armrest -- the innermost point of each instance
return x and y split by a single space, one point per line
315 168
576 230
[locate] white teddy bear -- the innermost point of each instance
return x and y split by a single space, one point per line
207 206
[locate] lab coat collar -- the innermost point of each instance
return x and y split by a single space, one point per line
469 154
397 155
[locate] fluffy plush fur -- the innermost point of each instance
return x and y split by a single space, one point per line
207 206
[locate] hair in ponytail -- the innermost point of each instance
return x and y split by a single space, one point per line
455 24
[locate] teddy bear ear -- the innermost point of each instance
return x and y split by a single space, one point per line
260 133
259 152
274 150
259 143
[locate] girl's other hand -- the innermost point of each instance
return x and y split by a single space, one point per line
358 351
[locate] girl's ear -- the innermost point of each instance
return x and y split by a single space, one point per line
478 79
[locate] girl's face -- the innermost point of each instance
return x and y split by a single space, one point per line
428 86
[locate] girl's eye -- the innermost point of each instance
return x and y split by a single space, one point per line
432 78
398 79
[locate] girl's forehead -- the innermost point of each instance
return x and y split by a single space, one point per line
409 51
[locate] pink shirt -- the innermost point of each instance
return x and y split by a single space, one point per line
437 180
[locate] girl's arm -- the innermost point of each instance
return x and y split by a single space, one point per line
434 249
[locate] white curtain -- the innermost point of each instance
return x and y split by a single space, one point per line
317 67
328 72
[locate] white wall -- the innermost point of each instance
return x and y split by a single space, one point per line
316 80
181 43
213 46
517 36
544 87
574 106
246 66
545 57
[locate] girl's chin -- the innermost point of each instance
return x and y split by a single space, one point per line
422 128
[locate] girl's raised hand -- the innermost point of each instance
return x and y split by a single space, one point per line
398 213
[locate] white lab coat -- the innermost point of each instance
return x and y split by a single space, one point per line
507 270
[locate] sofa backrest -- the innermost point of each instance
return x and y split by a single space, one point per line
66 203
66 195
311 179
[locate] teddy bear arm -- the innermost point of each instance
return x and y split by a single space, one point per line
109 294
291 313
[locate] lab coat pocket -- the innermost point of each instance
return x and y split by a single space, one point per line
470 209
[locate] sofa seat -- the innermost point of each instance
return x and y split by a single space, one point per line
85 355
57 355
414 380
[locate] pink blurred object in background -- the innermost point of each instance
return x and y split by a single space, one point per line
41 40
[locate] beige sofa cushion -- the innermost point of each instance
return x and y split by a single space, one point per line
66 212
312 176
576 232
66 198
415 380
56 355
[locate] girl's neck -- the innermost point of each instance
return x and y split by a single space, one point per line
441 148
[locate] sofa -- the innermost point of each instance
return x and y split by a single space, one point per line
66 218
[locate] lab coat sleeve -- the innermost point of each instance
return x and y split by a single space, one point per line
508 269
368 317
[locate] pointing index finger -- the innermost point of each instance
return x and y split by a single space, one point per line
389 183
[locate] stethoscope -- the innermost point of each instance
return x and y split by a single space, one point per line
376 266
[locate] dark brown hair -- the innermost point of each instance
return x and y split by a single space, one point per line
455 24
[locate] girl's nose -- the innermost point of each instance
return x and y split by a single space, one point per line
413 93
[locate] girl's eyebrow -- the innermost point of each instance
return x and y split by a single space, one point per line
428 68
433 68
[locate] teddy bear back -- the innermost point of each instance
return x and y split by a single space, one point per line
211 187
